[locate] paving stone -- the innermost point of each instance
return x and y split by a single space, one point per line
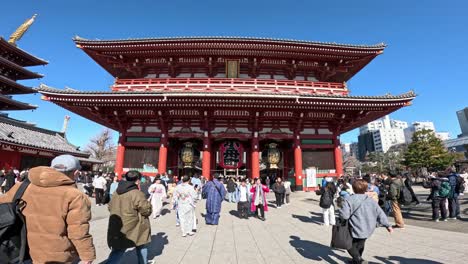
291 234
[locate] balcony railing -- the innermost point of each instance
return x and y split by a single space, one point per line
225 85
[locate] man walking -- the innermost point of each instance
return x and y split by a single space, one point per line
57 214
438 196
214 192
231 188
99 186
453 203
129 225
394 196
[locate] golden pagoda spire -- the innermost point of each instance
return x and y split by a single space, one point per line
21 30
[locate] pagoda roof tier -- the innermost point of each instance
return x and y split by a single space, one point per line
6 104
21 134
16 72
138 58
18 56
120 110
8 86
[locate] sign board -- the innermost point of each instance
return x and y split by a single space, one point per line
311 174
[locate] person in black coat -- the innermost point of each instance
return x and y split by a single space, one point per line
279 190
10 180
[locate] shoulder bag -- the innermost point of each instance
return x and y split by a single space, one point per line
341 232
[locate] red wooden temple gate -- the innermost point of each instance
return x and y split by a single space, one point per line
253 106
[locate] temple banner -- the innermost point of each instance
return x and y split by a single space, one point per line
311 174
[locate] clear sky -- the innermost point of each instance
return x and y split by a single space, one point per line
427 42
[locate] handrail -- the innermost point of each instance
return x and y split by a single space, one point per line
229 85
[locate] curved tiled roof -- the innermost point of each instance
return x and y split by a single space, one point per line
44 89
6 103
22 73
24 134
80 40
27 59
17 88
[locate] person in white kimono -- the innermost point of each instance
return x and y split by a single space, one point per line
185 196
157 193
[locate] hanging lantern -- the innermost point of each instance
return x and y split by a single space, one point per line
189 155
272 155
231 154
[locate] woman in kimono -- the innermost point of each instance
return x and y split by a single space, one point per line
158 193
185 196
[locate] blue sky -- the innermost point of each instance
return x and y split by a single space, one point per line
426 45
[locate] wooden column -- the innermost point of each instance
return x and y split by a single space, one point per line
119 162
338 158
255 165
298 163
206 161
162 162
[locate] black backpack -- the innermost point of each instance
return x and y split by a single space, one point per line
460 187
13 240
405 195
326 200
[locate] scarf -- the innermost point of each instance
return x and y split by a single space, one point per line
258 195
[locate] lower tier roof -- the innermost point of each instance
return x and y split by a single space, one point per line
20 133
120 110
7 104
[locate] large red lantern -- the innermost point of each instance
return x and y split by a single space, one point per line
231 154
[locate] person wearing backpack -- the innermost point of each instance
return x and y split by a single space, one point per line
327 194
57 214
454 204
440 189
394 196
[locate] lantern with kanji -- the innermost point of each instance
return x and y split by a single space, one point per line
272 156
189 155
231 154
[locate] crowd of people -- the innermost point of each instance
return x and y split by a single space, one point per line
367 201
134 199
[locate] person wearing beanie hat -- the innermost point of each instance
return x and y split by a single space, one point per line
54 203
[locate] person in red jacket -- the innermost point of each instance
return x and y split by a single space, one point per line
259 202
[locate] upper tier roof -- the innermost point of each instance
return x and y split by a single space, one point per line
8 86
16 72
135 58
18 56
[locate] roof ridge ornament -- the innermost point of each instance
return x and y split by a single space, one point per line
21 30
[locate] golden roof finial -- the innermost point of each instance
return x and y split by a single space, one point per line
21 30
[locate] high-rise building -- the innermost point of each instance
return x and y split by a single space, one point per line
460 144
463 121
415 127
383 133
354 149
443 135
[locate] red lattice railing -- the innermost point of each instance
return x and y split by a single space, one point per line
225 85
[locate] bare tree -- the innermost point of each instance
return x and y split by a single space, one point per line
102 146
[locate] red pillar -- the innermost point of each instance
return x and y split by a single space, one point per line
162 162
298 163
338 158
255 167
206 161
119 162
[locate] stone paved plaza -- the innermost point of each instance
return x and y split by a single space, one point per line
291 234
